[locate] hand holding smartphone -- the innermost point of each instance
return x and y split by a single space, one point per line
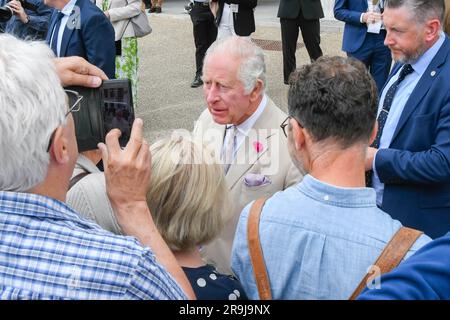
102 109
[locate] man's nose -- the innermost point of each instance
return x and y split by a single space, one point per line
388 41
212 94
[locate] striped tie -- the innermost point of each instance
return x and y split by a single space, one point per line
382 117
228 152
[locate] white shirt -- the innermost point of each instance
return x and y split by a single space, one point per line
67 11
244 128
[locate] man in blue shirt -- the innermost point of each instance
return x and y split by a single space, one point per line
46 250
319 237
410 157
424 276
29 24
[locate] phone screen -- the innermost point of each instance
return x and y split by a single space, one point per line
103 109
118 108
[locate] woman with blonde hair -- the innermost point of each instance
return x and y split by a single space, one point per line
188 198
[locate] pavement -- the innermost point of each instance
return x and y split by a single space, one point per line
167 66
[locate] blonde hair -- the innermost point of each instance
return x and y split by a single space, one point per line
188 193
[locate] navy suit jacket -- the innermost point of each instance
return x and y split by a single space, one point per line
92 38
355 32
416 167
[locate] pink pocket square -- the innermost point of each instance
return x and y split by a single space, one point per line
256 180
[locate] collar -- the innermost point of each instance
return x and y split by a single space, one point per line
248 124
68 8
86 164
333 195
421 64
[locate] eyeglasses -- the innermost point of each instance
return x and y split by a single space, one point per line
74 103
285 123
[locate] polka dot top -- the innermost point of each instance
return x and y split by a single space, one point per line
208 284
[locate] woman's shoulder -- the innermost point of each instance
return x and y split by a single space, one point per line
208 284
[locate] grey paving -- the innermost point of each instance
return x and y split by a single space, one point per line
167 66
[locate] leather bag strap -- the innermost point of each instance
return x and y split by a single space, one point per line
391 256
256 254
77 178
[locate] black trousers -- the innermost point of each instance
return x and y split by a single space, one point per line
289 35
205 33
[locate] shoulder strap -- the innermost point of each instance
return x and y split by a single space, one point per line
391 256
254 248
77 178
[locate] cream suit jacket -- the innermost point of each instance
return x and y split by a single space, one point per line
120 12
263 152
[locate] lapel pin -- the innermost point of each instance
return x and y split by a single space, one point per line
433 73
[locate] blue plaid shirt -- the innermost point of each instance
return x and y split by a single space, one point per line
48 252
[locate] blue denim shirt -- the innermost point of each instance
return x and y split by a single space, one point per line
318 241
37 26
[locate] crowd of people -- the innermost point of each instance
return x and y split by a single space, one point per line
362 156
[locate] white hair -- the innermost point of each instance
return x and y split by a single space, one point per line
252 65
32 106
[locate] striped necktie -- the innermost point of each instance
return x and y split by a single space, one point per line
228 151
54 44
382 117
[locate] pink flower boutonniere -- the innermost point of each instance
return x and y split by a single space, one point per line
259 147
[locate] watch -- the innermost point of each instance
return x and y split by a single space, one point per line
28 20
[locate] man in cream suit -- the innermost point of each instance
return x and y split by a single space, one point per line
242 125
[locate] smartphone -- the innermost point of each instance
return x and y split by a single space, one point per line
102 109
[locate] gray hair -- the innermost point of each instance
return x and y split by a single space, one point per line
32 106
422 10
252 65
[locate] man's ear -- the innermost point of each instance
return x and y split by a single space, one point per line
59 148
298 135
373 135
432 30
256 92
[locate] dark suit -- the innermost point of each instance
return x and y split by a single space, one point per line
205 32
358 43
244 19
303 14
88 34
415 169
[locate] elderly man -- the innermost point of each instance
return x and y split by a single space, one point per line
79 28
241 123
410 156
320 236
67 257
